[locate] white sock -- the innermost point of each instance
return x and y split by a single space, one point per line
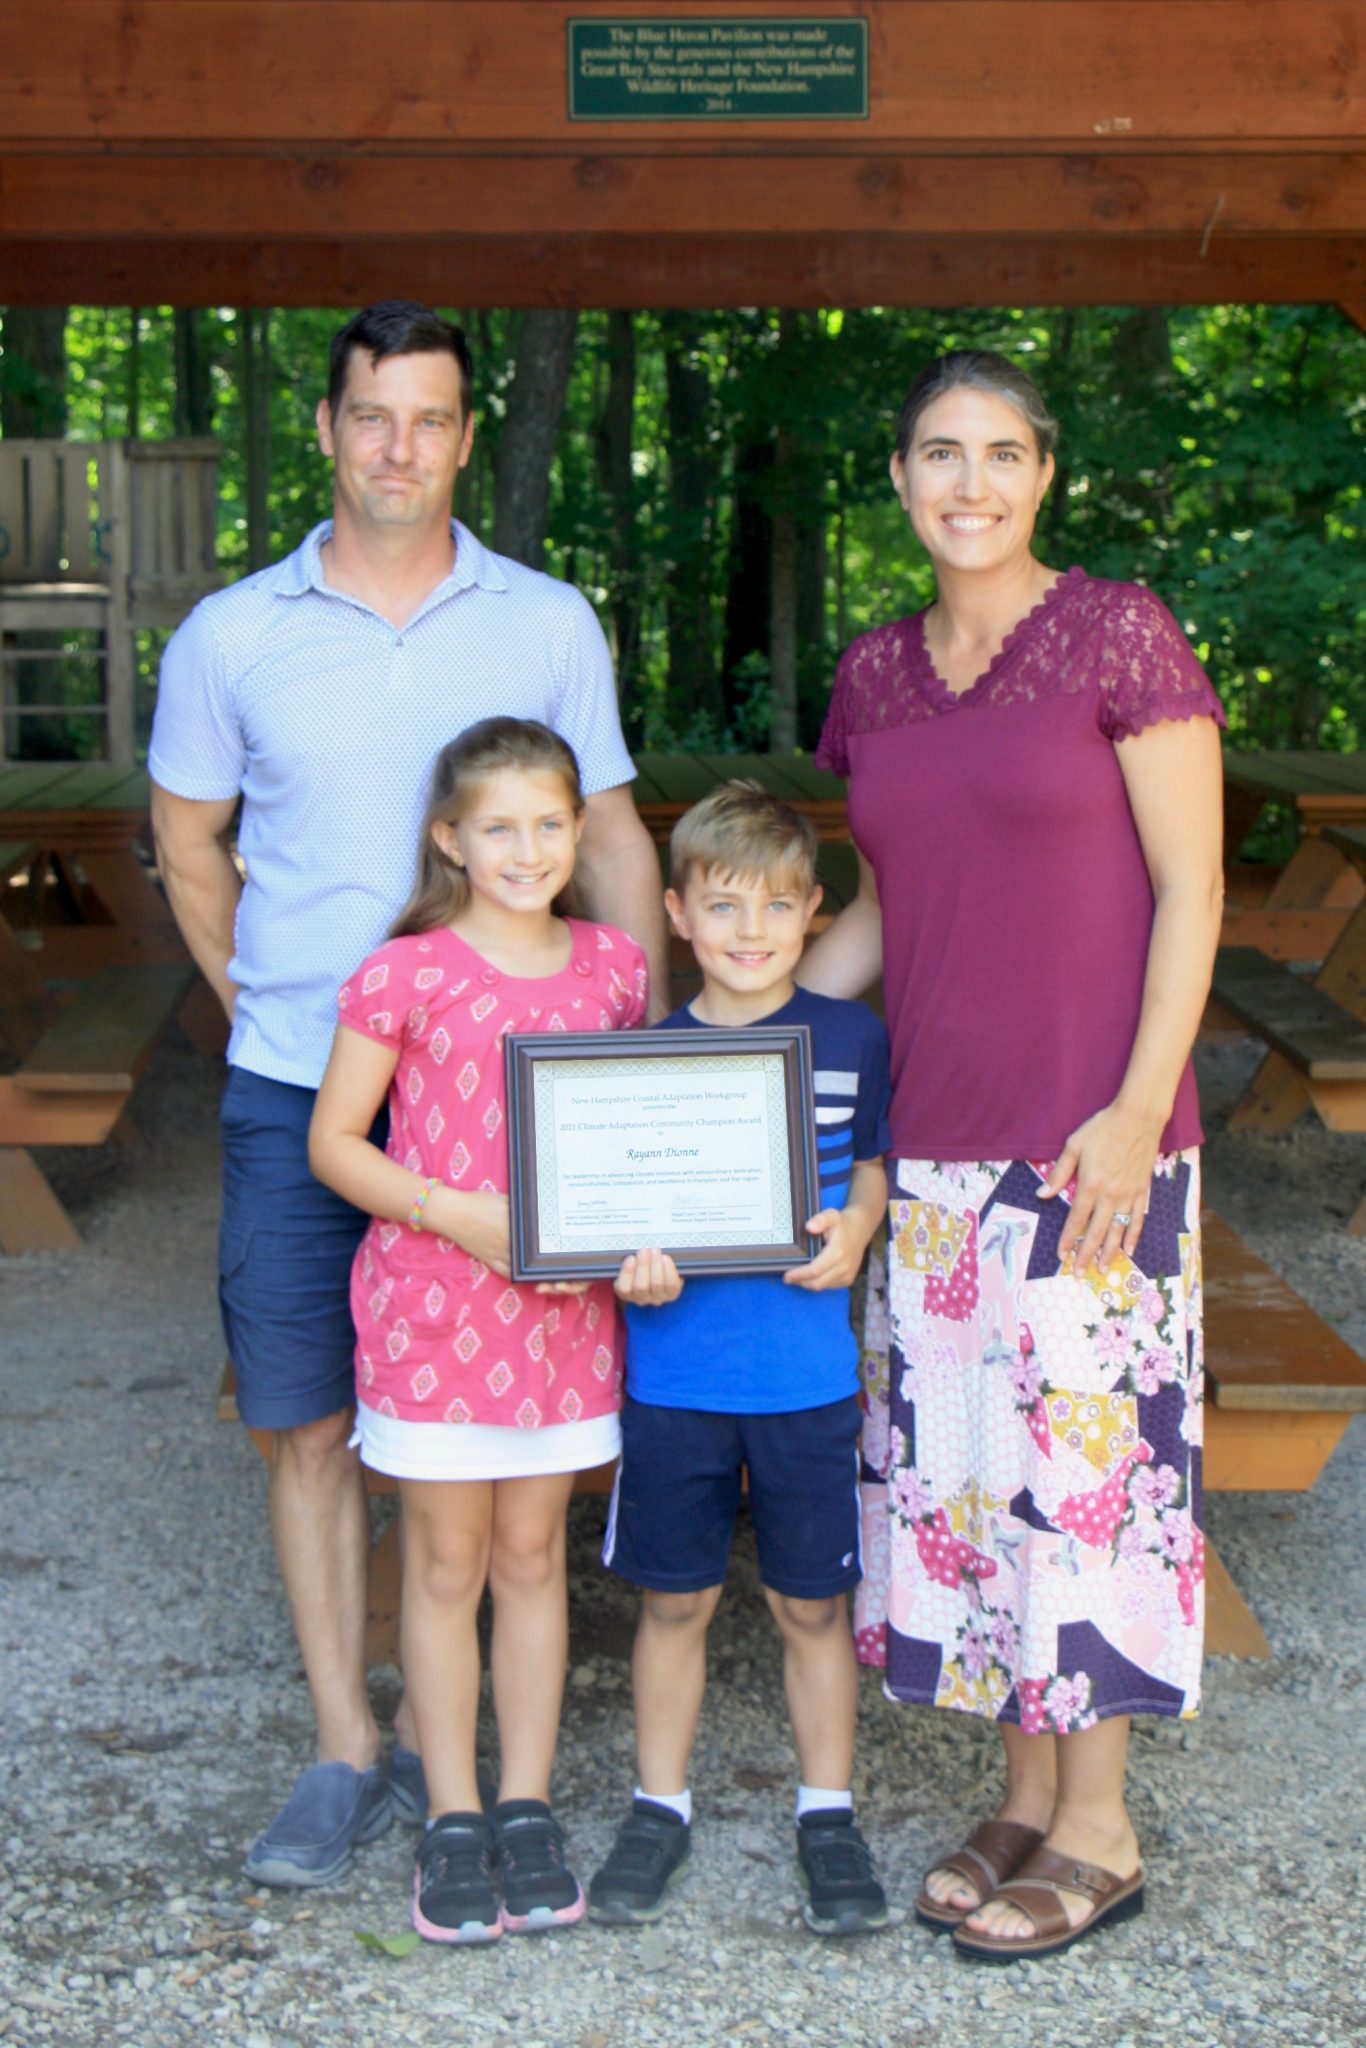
815 1799
677 1802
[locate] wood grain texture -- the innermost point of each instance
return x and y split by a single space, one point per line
573 269
1320 1038
1250 1450
102 1040
1265 1346
1231 1628
792 190
31 1217
470 70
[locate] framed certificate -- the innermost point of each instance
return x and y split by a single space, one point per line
701 1142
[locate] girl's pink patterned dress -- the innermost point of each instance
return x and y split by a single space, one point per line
440 1337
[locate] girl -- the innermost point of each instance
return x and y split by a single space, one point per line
480 1397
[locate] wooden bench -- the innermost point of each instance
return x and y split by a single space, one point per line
1281 1388
72 1086
1319 1043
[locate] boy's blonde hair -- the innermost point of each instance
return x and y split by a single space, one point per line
742 831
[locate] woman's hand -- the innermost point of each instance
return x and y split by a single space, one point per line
1111 1156
648 1279
478 1222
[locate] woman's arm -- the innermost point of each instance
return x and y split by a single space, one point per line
1174 781
847 958
342 1157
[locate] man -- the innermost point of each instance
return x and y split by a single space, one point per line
320 691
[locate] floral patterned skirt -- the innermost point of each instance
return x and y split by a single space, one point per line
1031 1453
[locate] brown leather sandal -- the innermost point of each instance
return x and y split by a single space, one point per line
987 1858
1035 1890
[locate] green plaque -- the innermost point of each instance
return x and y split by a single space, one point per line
695 68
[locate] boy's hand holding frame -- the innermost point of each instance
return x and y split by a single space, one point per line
847 1232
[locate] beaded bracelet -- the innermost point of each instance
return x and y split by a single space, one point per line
420 1201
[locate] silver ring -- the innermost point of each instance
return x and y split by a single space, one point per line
1122 1217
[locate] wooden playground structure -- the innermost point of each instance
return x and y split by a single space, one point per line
102 537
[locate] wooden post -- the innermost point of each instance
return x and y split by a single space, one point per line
115 480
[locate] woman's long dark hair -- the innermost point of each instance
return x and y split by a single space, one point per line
442 889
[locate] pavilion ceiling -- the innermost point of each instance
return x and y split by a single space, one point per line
1015 151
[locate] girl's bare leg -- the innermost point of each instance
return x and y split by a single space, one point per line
530 1627
448 1532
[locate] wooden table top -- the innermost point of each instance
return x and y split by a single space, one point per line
45 786
1296 775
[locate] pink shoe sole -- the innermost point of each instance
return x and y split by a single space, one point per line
542 1918
468 1934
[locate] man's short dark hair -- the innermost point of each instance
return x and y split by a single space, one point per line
398 327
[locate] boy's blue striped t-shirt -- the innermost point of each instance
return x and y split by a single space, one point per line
746 1344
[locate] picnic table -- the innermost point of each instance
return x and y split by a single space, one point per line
78 904
1315 893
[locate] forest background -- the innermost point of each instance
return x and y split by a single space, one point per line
716 482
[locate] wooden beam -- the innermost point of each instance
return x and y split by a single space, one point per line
307 196
400 70
687 270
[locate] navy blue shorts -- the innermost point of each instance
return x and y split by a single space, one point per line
678 1492
285 1249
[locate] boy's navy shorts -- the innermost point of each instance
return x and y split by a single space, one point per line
285 1249
678 1491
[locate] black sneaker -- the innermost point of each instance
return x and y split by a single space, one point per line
842 1894
454 1896
539 1889
651 1853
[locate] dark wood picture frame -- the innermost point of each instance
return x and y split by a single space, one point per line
524 1051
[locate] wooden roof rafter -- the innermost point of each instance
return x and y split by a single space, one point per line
328 151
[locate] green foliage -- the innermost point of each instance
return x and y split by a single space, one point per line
1214 452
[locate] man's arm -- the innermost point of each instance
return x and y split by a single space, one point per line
619 873
201 880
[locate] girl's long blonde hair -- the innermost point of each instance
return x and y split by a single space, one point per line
442 889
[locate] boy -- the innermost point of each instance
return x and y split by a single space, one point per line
756 1370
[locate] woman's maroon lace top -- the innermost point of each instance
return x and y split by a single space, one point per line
1016 903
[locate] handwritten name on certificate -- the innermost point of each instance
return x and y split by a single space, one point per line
674 1152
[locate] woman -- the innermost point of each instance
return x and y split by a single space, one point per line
1034 789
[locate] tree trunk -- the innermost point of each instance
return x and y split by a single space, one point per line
33 389
193 369
255 333
786 549
521 487
748 604
782 627
612 449
693 691
133 373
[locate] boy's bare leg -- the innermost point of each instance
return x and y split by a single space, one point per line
669 1676
820 1675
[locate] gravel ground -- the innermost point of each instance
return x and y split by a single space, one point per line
154 1711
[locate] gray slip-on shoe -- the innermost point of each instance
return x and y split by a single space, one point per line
311 1838
407 1786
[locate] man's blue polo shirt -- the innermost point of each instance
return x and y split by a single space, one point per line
328 720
